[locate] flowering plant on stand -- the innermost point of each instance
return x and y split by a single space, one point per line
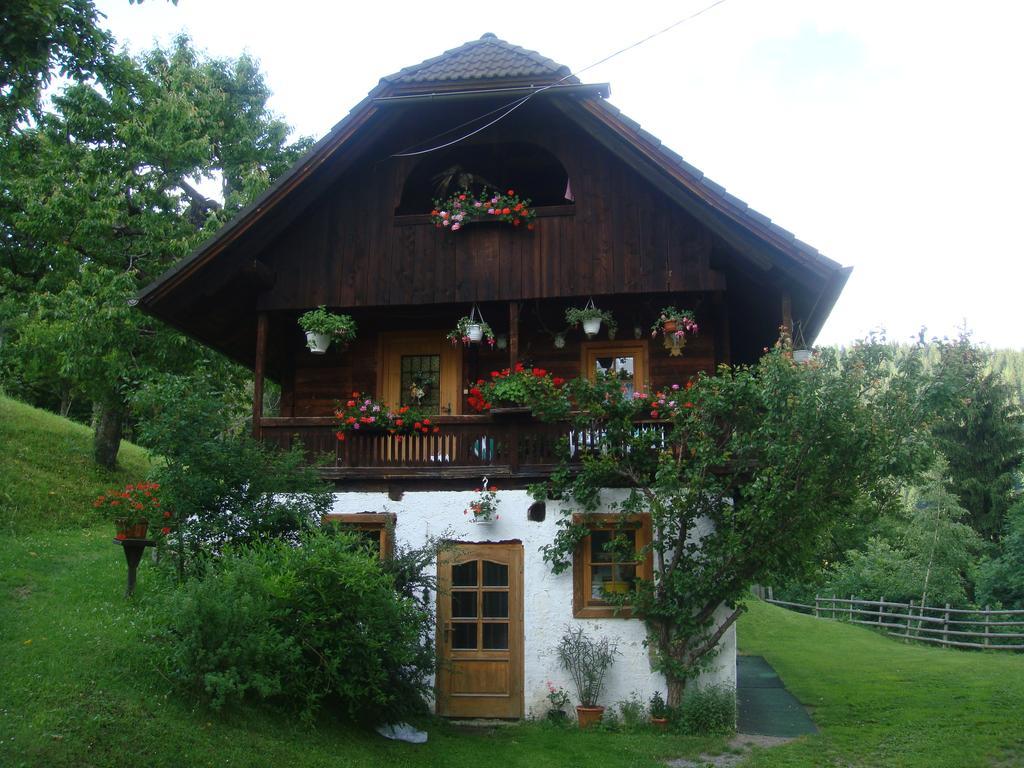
484 507
364 413
131 508
465 207
558 696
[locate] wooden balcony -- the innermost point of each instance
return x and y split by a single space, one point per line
467 447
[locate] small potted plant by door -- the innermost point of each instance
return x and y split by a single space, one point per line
659 711
590 317
587 660
559 699
323 327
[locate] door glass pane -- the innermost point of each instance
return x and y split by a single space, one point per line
621 368
464 575
495 605
495 574
464 635
464 605
421 382
495 636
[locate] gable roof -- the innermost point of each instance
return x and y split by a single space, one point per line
482 67
488 58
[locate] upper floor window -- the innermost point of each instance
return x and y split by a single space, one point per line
530 170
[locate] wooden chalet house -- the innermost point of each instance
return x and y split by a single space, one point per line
620 219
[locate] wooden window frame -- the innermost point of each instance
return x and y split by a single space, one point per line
637 348
381 522
583 605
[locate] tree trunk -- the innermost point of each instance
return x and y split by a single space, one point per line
107 437
676 689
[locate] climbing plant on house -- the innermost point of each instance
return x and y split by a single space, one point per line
750 468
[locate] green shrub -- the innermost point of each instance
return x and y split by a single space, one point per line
707 711
633 712
303 626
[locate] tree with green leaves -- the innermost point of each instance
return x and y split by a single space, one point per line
746 472
982 435
101 196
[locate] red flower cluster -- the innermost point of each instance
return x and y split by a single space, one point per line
132 505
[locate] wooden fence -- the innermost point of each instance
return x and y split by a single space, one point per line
954 627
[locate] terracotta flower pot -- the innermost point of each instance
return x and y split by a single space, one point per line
670 326
661 723
128 530
588 716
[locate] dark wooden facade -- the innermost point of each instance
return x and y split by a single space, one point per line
346 229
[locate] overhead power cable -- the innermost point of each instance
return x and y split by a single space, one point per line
512 106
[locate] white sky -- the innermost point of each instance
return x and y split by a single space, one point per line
886 133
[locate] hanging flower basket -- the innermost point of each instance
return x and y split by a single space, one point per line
464 208
590 317
471 329
484 508
323 327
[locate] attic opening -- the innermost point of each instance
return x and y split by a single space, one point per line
530 170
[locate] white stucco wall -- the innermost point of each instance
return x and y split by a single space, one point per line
547 599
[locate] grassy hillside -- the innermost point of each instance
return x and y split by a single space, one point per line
47 476
880 702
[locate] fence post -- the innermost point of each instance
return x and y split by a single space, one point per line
880 608
832 613
771 593
945 625
987 619
910 612
851 609
816 598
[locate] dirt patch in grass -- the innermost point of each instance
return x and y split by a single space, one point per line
739 750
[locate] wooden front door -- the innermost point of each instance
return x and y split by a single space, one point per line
480 631
421 369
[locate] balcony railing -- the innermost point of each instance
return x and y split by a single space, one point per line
466 447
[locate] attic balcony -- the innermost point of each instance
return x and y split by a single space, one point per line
506 449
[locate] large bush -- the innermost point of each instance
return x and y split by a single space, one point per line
300 626
221 487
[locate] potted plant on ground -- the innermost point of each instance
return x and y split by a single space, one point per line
659 711
559 699
323 327
131 508
587 661
590 317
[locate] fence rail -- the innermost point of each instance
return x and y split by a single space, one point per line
994 630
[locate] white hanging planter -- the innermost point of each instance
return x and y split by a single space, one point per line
591 326
802 355
475 332
318 342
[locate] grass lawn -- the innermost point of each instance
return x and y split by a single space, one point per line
881 702
47 475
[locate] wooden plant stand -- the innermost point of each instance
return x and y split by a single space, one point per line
133 549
